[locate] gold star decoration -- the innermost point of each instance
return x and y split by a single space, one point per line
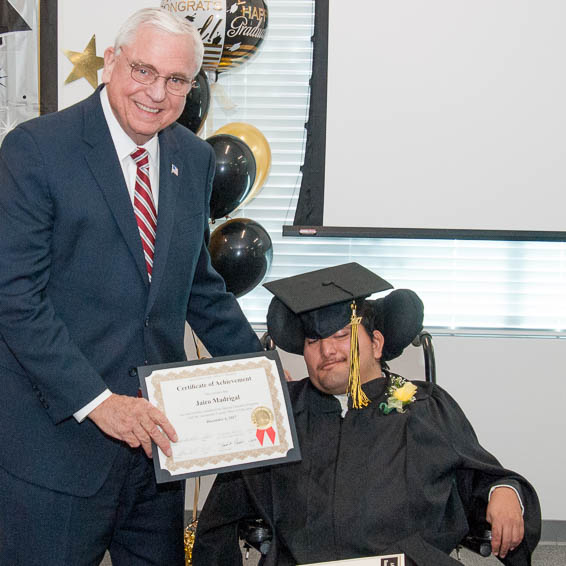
85 64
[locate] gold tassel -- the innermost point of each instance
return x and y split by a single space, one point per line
359 398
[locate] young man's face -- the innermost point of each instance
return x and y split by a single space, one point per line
328 359
144 110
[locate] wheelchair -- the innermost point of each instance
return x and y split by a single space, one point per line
256 533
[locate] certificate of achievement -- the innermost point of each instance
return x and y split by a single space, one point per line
389 560
229 413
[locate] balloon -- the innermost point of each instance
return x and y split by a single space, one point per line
197 104
232 30
241 251
246 25
234 176
256 141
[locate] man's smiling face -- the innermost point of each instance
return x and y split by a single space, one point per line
328 359
144 110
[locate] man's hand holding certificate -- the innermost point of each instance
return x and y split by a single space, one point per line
229 413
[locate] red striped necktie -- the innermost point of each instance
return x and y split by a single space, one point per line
144 207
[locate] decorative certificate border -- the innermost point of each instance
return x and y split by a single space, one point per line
210 370
153 379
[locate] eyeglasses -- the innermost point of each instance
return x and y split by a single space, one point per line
147 75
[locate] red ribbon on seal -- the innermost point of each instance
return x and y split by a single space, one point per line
260 433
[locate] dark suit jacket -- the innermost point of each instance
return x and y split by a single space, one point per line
77 313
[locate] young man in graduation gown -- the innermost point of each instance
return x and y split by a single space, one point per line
387 465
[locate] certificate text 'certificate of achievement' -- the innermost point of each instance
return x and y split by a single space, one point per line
229 413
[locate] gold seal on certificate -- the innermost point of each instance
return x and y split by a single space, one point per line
229 413
262 417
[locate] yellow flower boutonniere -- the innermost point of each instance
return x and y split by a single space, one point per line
399 393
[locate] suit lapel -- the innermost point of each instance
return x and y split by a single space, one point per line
106 169
171 170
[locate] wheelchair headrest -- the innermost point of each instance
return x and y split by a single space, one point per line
398 316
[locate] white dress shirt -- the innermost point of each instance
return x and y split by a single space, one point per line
125 146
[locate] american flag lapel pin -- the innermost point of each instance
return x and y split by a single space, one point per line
174 170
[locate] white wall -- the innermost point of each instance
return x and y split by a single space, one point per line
513 390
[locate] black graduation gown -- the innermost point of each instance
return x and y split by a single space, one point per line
368 484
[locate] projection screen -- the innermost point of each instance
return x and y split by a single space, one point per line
437 119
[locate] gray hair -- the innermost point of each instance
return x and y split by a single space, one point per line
164 21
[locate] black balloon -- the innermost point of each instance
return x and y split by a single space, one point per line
246 26
241 251
234 176
197 104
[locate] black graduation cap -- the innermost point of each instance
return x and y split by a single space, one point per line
318 303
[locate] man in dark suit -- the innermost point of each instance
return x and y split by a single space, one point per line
103 256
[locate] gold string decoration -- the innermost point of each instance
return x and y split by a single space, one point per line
191 528
190 531
359 398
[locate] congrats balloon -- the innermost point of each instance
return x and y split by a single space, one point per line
197 104
234 176
256 141
232 30
241 251
246 25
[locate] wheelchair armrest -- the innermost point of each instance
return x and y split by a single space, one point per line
267 342
480 543
255 533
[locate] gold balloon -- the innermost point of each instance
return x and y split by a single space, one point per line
259 146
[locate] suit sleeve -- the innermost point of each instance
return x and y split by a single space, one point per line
213 313
34 342
479 471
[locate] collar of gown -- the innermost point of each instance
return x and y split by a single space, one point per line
324 403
